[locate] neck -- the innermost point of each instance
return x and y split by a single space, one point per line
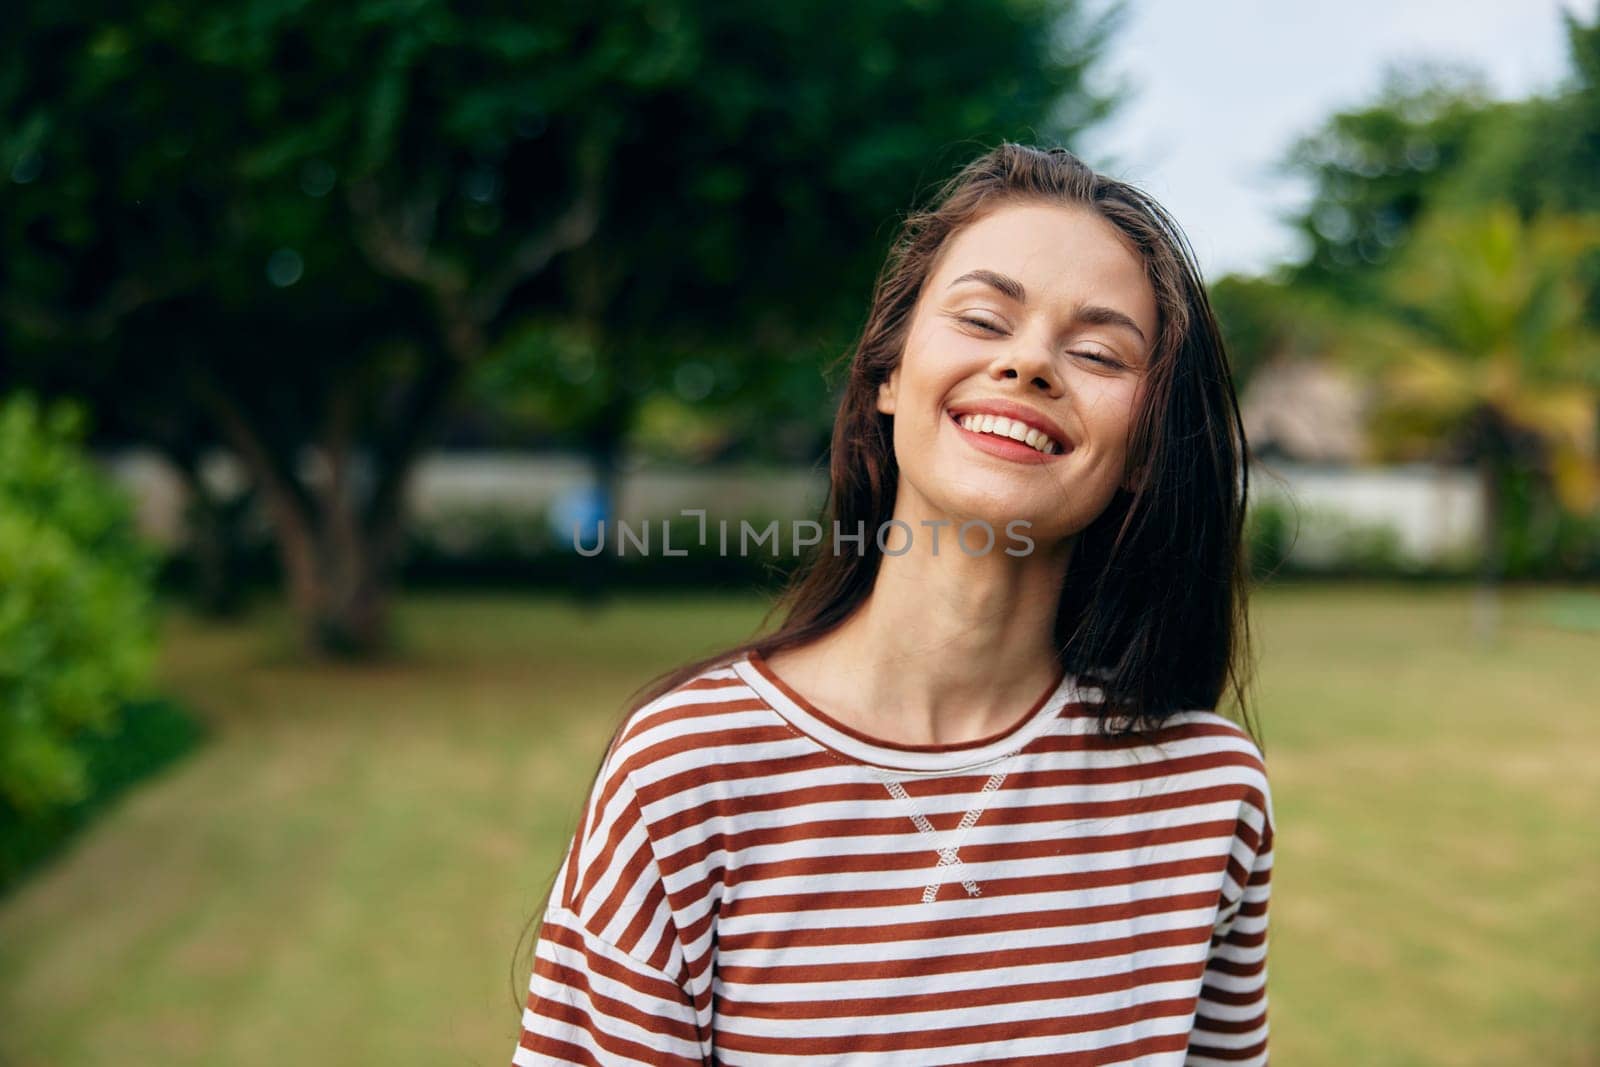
947 647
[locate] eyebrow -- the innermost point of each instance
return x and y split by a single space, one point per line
1094 314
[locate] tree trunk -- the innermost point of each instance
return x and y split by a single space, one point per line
337 540
351 617
1486 600
338 582
310 570
1492 459
294 536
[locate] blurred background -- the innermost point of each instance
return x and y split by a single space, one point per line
322 325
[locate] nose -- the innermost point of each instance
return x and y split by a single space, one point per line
1030 362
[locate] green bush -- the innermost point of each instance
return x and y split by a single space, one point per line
1268 536
145 736
76 633
1541 539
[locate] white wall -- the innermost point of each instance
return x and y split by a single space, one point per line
1432 510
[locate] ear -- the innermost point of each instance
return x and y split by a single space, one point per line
888 390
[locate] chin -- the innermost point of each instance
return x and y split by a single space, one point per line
972 504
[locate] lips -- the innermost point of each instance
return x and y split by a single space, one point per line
1007 448
1011 430
1003 420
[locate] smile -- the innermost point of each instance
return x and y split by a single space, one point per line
1010 429
1004 447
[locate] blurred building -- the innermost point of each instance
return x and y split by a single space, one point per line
1305 410
1306 423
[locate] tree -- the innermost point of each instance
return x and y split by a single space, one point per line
310 226
1482 328
1483 343
1376 170
1433 140
1268 318
1543 153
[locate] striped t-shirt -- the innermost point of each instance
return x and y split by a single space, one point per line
755 882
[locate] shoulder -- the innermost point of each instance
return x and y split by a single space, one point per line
710 719
662 733
702 705
1207 731
1222 755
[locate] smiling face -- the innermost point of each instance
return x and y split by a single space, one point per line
1036 319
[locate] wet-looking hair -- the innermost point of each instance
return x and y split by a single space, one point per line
1153 609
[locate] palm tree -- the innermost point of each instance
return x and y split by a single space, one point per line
1484 346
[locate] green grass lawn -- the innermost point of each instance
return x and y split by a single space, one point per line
341 875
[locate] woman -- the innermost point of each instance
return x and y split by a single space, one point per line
962 806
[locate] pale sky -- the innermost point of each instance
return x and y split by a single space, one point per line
1221 89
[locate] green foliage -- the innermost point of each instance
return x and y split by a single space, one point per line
75 627
1543 154
285 225
270 198
1484 345
1370 548
1266 319
1247 311
1375 170
1268 537
145 736
1454 259
1543 540
1434 142
751 193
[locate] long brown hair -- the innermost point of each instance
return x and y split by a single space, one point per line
1153 609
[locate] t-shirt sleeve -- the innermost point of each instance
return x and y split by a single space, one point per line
608 983
1230 1025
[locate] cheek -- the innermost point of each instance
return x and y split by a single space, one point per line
1108 403
1109 412
927 371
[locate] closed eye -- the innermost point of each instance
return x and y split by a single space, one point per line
1105 360
980 324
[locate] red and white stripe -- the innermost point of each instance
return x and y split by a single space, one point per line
753 882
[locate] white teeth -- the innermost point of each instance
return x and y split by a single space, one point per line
1017 431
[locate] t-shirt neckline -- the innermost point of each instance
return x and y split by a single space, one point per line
861 747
